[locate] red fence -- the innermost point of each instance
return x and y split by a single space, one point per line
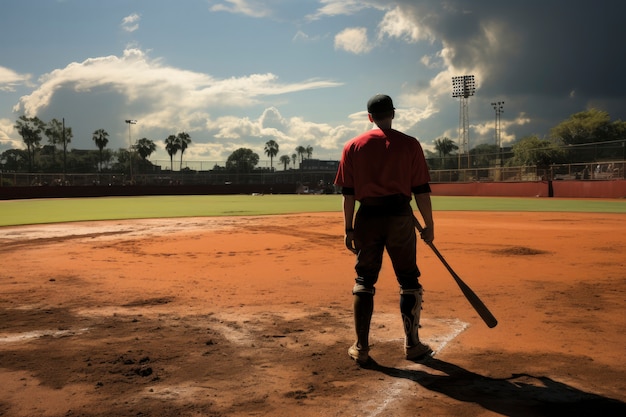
563 189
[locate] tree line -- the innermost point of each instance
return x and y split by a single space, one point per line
587 136
245 160
44 158
578 139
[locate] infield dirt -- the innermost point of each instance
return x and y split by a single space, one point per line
251 316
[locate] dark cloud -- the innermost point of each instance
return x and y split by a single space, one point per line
542 47
548 59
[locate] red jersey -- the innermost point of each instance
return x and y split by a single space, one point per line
380 163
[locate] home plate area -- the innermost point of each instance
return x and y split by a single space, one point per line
386 350
386 330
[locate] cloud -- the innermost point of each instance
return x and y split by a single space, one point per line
103 91
146 82
131 23
301 36
495 37
353 40
10 79
346 7
7 135
397 24
545 73
234 132
251 8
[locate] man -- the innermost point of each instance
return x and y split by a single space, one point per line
380 169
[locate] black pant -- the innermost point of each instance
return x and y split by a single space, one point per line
377 228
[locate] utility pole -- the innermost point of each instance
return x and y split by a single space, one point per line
64 152
130 149
499 108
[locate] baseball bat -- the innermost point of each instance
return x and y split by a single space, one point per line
469 294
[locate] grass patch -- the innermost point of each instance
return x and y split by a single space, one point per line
38 211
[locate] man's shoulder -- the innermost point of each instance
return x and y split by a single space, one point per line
400 134
374 134
363 137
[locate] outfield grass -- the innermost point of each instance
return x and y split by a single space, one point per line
22 212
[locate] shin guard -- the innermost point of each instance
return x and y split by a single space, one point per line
363 309
410 308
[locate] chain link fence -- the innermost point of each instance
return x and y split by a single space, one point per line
314 178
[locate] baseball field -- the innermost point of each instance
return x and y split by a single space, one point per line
241 306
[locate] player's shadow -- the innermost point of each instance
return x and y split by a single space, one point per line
520 395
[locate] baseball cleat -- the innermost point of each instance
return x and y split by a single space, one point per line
418 352
361 356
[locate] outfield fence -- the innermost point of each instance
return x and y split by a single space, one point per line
313 178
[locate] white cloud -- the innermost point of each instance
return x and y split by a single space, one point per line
486 129
9 79
397 24
237 132
131 22
251 8
323 135
163 99
353 40
160 89
301 36
7 135
272 119
346 7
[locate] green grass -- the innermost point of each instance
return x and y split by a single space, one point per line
528 204
22 212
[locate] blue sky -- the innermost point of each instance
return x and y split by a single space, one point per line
237 73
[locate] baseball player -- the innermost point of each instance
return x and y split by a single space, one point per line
382 169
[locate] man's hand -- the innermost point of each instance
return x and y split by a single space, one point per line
349 239
428 234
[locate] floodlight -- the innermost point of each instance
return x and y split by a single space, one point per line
463 86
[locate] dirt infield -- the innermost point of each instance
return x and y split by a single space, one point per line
252 316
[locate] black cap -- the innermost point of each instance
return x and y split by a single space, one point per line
380 103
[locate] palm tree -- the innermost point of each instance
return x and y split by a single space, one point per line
183 140
145 147
309 152
171 146
101 138
445 146
294 159
301 150
271 150
285 159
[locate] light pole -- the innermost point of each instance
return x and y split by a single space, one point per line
463 87
499 108
130 148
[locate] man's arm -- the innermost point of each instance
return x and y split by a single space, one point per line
426 210
348 217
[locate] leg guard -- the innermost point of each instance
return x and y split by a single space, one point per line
363 308
410 308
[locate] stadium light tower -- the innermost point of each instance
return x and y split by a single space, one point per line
463 87
130 148
499 108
